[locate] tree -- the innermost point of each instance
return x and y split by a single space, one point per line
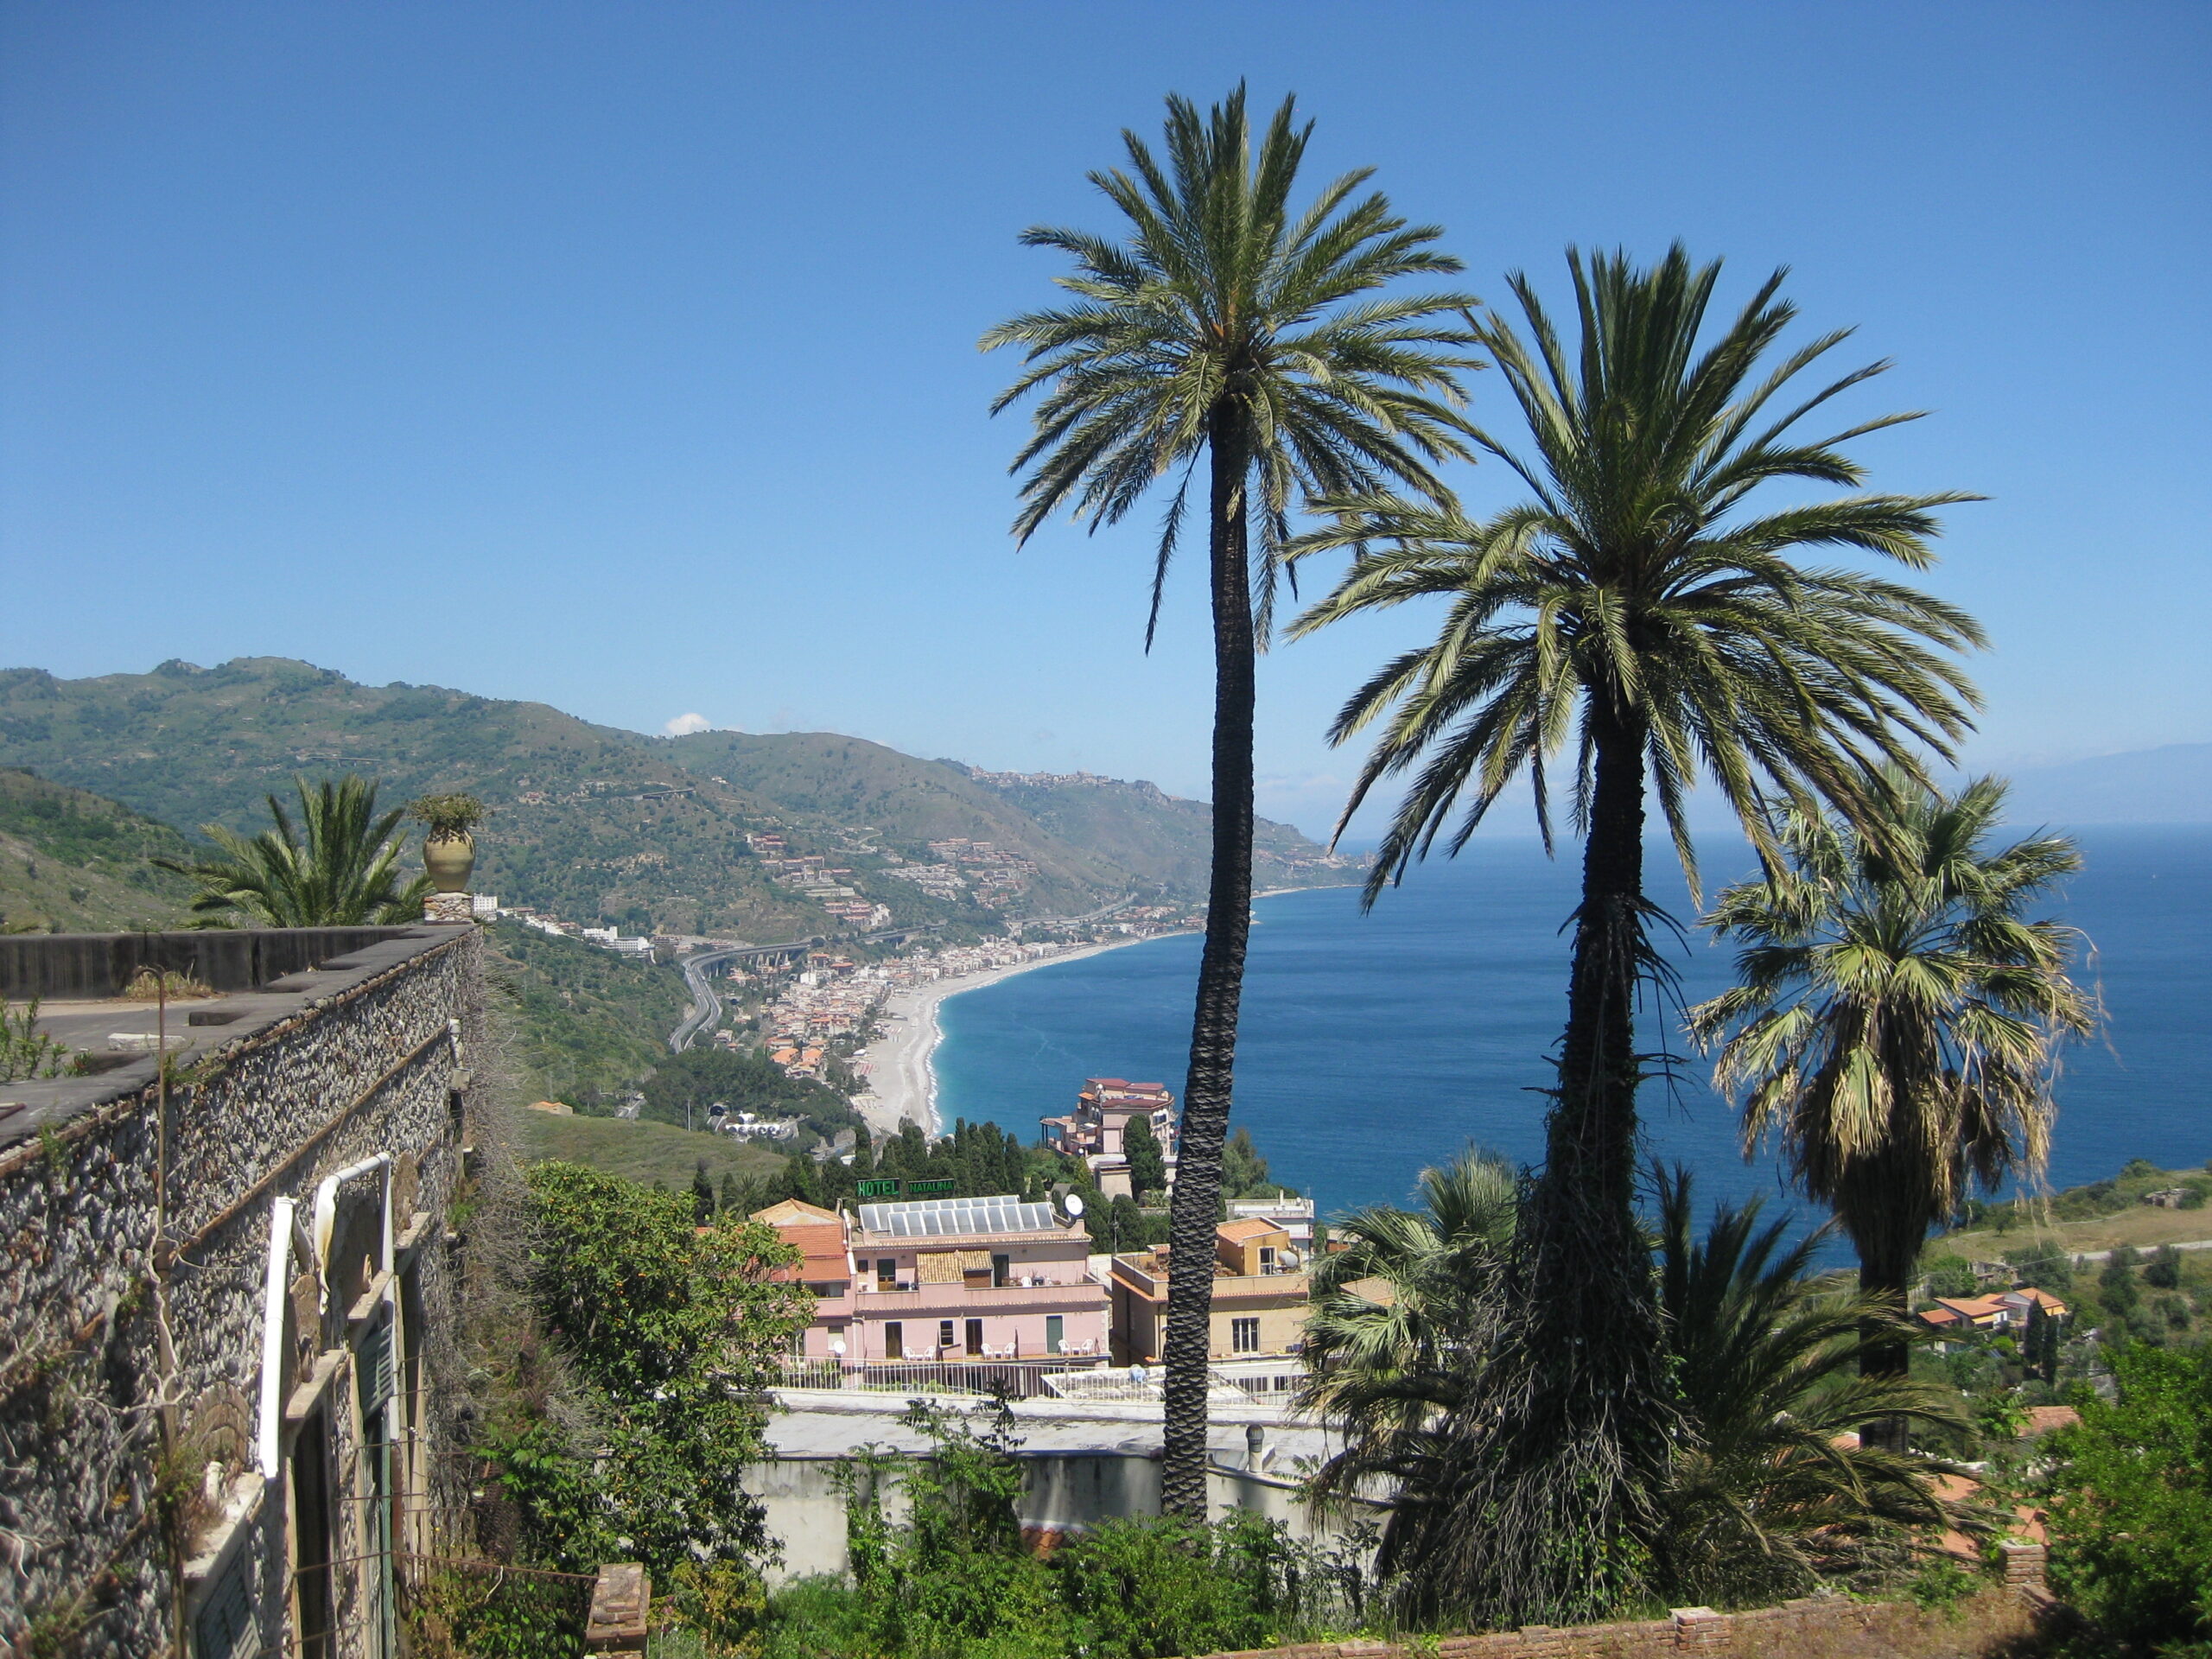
339 867
1147 1169
1639 609
1398 1310
1231 327
702 1194
1896 1015
1243 1171
2129 1497
676 1331
1771 1491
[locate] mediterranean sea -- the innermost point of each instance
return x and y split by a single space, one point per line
1374 1044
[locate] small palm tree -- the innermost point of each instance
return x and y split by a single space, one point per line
1897 1016
338 868
1772 1488
1641 609
1398 1297
1232 327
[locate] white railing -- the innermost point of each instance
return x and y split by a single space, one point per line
954 1374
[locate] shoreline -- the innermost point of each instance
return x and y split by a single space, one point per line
902 1077
902 1072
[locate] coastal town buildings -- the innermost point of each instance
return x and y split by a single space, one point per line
1260 1291
1096 1130
946 1280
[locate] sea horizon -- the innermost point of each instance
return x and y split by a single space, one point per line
1374 1045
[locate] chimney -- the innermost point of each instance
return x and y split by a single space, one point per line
1254 1438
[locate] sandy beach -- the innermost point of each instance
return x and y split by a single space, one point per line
901 1082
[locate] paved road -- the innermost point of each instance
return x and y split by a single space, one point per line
707 1006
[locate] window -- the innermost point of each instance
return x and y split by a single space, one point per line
887 1274
975 1336
1267 1258
944 1333
1055 1325
1245 1336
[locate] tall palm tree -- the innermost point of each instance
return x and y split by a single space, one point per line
1640 606
1230 327
1897 1017
1772 1488
338 868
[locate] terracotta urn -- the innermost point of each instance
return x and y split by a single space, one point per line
450 859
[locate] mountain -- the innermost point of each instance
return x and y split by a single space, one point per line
593 823
74 862
2172 785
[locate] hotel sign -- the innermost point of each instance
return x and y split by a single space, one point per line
889 1189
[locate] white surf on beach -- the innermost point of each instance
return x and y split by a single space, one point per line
902 1082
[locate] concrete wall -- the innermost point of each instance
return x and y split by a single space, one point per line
1062 1493
136 1226
53 966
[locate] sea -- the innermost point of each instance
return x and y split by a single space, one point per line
1373 1044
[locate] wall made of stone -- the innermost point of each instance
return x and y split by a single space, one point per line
110 1345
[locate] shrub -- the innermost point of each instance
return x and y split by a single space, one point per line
2130 1501
1153 1586
1950 1275
2163 1271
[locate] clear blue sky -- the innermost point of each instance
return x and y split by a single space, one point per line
622 356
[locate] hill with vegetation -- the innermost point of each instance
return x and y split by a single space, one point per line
596 824
588 1025
643 1151
72 862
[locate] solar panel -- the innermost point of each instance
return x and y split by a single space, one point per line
937 1217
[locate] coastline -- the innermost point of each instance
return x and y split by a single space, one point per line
902 1074
902 1079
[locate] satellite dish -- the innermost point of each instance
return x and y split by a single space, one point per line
1074 1203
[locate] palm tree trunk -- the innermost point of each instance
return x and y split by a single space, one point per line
1592 1319
1887 1230
1206 1087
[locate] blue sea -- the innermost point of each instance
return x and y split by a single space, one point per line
1373 1044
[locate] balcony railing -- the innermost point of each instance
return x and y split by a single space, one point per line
1017 1379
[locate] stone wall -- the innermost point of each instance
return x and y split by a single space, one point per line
150 1460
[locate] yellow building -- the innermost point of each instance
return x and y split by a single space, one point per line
1259 1297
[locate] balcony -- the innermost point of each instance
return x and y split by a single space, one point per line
909 1300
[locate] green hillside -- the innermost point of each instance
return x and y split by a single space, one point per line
598 824
590 1025
640 1150
74 862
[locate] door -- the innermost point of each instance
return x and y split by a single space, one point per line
1055 1326
894 1340
1001 1270
975 1337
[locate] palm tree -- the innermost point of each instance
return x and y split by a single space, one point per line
343 872
1640 606
1772 1489
1399 1296
1229 326
1897 1017
1767 1490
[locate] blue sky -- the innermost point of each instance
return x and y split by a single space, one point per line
622 356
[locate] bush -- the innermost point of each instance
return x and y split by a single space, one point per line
2130 1501
1950 1275
2164 1272
1156 1585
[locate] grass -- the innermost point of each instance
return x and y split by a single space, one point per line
645 1151
2142 1225
1985 1626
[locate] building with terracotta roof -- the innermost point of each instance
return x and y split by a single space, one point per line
946 1280
1260 1294
1096 1129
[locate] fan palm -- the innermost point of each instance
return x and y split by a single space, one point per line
1397 1297
1231 327
339 867
1896 1017
1640 608
1772 1486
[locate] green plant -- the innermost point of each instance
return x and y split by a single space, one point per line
1634 625
2129 1495
1949 1275
27 1052
149 985
1231 327
1897 1014
1941 1585
1147 1586
448 817
338 868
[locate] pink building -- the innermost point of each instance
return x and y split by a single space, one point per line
1102 1113
947 1278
